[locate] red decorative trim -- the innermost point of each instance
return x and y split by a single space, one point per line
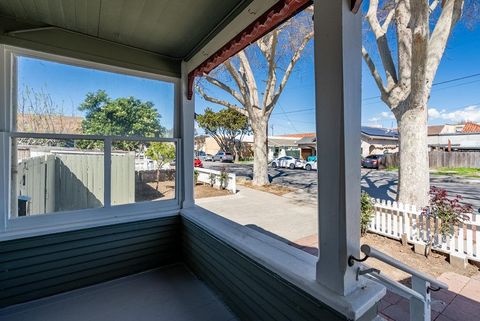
276 15
356 5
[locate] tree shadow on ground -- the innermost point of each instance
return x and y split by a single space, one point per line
378 188
308 249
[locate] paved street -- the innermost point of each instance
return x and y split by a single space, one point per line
379 184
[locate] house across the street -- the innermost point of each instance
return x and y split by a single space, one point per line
462 137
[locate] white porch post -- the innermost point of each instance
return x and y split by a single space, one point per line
187 112
337 42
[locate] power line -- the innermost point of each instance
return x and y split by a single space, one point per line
435 84
370 98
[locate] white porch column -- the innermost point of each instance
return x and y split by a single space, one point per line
187 131
338 41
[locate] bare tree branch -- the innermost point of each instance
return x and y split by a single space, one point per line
269 51
404 43
451 13
420 35
220 102
382 43
374 72
228 89
238 79
252 88
296 56
433 5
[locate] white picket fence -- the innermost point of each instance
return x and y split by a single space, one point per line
394 219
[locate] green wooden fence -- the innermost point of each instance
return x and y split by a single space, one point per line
63 182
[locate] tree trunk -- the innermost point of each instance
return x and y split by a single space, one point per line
236 150
260 159
413 176
158 178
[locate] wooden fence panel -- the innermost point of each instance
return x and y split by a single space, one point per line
64 182
439 159
393 220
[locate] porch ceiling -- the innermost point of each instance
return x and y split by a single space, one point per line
172 28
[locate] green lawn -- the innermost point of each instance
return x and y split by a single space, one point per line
460 171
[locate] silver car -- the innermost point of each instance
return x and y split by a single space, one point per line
223 157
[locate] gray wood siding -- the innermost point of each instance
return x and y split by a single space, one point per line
252 291
39 266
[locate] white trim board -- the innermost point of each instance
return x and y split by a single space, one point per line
292 264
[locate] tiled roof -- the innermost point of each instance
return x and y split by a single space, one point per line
435 130
298 135
471 128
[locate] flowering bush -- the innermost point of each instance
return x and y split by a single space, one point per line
449 210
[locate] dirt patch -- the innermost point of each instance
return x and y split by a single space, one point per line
204 191
435 264
272 188
149 191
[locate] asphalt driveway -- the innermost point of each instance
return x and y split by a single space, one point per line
379 184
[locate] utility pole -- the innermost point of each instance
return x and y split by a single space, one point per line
271 126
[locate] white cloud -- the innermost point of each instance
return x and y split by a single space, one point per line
383 116
470 113
387 115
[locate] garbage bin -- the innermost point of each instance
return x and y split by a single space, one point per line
23 205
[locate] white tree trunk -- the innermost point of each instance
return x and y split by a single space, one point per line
414 176
260 160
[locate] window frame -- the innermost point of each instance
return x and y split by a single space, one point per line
14 227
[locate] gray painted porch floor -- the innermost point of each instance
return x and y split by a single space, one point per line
170 293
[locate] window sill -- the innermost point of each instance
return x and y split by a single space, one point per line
38 225
292 264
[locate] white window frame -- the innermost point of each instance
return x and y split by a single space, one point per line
11 228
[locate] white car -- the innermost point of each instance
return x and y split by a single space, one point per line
310 165
287 162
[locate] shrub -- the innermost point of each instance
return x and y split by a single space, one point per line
195 176
448 210
366 212
223 178
212 177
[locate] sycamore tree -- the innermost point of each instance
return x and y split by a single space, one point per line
410 37
119 117
252 81
227 127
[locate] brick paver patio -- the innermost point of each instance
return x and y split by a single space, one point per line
461 302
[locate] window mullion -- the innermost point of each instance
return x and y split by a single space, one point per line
107 172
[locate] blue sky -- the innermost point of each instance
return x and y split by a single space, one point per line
68 86
449 103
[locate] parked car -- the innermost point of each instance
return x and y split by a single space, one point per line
223 157
311 165
372 161
288 162
200 155
197 163
208 158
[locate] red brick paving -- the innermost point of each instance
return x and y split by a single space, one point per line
461 302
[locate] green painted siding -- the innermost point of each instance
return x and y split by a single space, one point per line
252 291
36 267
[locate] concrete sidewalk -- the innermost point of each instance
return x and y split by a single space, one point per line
280 217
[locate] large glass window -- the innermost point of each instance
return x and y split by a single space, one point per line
85 138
